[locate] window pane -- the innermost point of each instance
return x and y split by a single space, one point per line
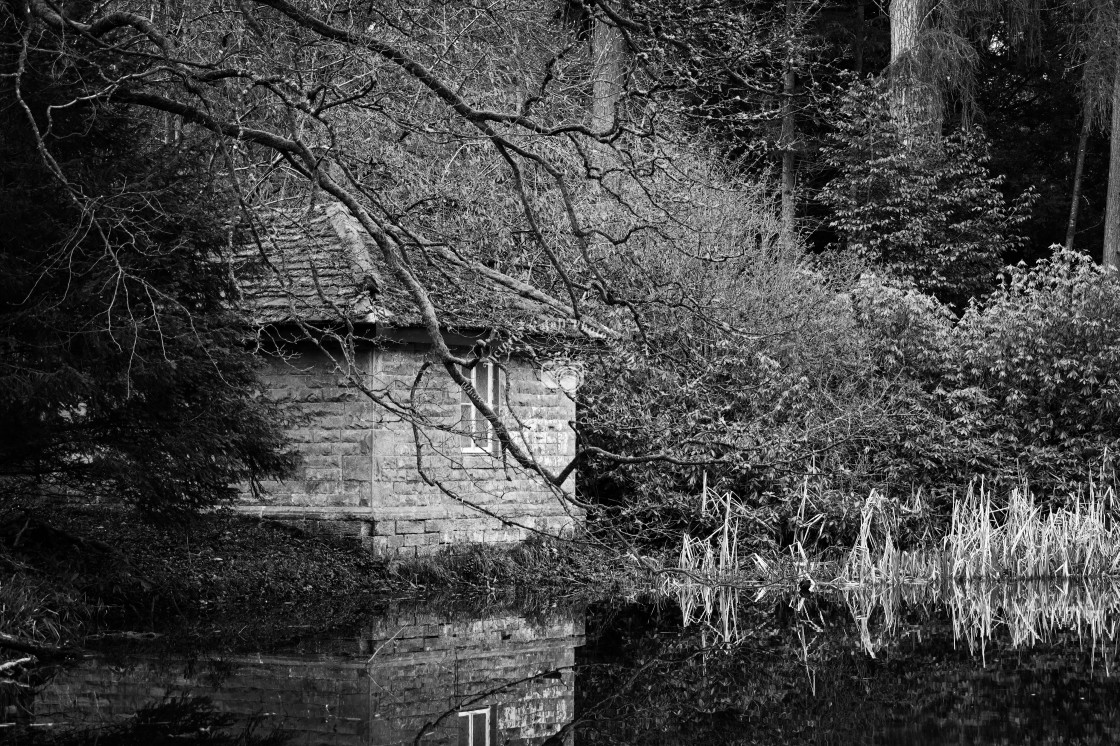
495 444
480 730
482 381
467 425
464 730
496 388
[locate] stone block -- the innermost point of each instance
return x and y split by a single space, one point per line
356 467
301 435
428 551
327 472
323 487
314 464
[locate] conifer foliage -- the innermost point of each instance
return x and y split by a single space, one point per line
125 373
925 208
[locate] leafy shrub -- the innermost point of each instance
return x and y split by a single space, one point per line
1023 385
878 387
1045 352
790 393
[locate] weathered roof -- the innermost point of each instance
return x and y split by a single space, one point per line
319 265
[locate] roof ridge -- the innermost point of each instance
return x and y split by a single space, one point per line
349 233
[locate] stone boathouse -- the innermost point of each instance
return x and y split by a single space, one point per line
391 448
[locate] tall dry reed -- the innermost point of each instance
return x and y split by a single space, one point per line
875 558
1018 540
1023 541
706 570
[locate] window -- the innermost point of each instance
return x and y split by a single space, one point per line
476 727
478 434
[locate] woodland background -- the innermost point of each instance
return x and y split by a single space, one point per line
811 245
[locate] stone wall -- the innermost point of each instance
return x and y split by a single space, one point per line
360 470
409 673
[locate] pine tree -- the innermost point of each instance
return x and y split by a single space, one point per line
126 374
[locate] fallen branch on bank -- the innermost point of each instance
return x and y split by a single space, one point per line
41 651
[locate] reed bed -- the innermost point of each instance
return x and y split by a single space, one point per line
1016 571
875 558
1016 541
1023 541
980 570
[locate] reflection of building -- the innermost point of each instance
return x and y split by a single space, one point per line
482 678
483 682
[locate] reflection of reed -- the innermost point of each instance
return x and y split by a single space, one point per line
1029 612
716 607
1035 612
1022 613
888 598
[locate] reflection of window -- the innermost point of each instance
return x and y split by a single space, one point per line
475 727
478 433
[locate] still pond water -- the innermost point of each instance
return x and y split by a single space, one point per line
1000 664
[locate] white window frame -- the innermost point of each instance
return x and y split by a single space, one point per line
470 715
478 434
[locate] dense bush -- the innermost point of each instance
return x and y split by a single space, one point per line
774 385
1045 352
873 386
1023 385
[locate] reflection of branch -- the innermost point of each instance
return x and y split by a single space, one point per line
557 739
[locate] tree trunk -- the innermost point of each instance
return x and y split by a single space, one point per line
1111 258
1078 173
789 140
607 75
861 36
606 91
914 104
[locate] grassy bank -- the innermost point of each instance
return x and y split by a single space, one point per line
85 572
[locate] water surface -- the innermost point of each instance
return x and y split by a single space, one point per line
1030 664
